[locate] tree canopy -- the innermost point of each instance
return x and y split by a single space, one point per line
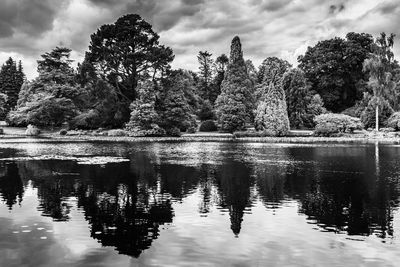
334 68
127 51
11 79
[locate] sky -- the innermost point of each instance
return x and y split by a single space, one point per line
282 28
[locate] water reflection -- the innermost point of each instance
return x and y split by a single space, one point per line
127 204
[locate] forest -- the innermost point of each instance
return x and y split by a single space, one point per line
126 82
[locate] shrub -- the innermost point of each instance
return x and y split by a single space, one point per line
32 130
206 111
388 130
208 126
394 121
330 123
63 132
1 131
154 131
327 129
117 132
191 129
87 120
174 131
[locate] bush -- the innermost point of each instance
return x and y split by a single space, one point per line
63 132
87 120
32 130
191 129
1 131
394 121
208 126
174 131
117 132
330 123
206 111
388 130
154 131
327 129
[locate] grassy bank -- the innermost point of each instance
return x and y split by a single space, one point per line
12 134
350 139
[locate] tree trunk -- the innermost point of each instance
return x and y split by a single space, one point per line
377 118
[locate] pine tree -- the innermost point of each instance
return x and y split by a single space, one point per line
298 96
271 113
175 112
11 80
234 104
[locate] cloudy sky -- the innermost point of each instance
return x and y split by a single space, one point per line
282 28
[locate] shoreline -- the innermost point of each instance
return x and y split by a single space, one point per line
48 138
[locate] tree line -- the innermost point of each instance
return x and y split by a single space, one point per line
126 80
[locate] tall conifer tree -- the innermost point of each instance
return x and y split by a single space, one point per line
234 104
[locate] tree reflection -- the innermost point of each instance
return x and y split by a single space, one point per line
234 181
11 186
358 202
127 203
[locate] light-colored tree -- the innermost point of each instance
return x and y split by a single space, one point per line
379 66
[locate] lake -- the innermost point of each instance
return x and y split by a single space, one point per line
199 204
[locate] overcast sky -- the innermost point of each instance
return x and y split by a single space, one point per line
282 28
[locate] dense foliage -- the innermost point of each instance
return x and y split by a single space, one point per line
11 79
380 65
126 52
368 115
334 68
298 97
208 126
235 103
331 123
52 98
126 81
271 114
3 102
394 121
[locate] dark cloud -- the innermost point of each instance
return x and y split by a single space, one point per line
274 5
282 28
334 9
32 17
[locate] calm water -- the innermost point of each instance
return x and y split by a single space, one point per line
199 204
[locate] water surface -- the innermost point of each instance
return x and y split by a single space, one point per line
199 204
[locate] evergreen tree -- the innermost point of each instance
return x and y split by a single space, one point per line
206 72
220 66
52 98
251 71
173 106
144 116
298 96
271 114
235 103
11 80
272 70
3 103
